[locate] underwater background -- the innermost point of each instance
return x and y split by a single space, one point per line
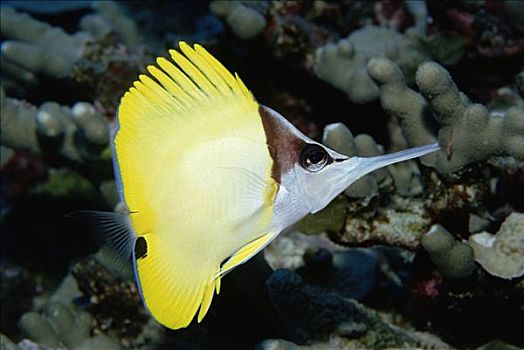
424 254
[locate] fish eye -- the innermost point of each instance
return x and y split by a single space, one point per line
314 158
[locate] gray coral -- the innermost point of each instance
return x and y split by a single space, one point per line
454 259
343 64
245 21
37 47
467 132
109 17
502 255
79 133
49 329
62 325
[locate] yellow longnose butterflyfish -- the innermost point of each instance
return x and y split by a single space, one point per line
210 177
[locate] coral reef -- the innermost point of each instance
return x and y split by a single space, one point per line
102 291
79 314
435 244
35 47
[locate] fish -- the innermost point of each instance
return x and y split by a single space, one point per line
209 177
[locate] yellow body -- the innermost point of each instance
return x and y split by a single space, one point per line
195 173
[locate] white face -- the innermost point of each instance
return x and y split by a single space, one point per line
323 175
319 174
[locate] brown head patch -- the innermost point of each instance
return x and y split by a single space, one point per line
284 146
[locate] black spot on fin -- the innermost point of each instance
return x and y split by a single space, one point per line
108 228
140 248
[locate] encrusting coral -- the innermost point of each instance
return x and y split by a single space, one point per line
467 134
502 255
78 134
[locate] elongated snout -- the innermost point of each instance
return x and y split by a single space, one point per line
346 171
361 166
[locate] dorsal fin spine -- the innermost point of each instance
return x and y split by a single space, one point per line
222 71
181 79
205 68
168 83
167 99
195 74
162 99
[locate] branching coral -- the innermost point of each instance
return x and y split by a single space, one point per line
453 259
78 134
62 324
467 134
245 21
108 18
38 47
88 60
343 64
111 315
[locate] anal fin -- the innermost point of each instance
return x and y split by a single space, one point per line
245 253
208 296
174 286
